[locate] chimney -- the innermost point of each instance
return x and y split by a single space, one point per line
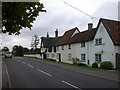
90 26
47 34
56 33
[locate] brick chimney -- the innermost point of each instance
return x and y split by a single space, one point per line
90 26
47 34
56 33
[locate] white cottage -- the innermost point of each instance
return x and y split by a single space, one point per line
93 45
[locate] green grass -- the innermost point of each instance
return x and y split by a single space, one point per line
83 67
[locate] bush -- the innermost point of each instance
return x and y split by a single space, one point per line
81 64
94 65
75 60
106 65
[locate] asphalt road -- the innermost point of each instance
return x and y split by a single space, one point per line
31 73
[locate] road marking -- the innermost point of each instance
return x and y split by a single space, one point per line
30 65
23 62
44 72
70 84
10 86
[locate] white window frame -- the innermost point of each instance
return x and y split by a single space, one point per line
69 46
53 55
98 57
83 44
57 48
62 47
98 41
69 57
83 57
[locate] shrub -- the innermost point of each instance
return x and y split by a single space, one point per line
94 65
81 64
75 60
106 65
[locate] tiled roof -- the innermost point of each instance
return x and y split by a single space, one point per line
83 36
47 41
67 35
113 29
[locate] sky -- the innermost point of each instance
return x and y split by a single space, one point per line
63 17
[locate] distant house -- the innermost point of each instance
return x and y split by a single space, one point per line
48 45
93 45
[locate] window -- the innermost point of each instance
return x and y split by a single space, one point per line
69 57
52 55
47 55
82 44
98 41
98 57
69 46
62 47
83 57
54 49
58 48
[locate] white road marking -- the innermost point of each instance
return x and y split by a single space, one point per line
23 62
10 86
30 65
70 84
44 72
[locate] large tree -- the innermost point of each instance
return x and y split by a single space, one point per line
5 49
35 42
18 51
18 15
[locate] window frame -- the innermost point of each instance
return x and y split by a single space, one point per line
62 47
83 44
69 57
98 41
69 46
98 57
83 57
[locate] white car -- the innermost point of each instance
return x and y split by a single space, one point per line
8 55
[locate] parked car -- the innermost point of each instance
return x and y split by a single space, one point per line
8 55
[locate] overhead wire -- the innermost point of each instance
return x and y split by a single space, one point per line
92 17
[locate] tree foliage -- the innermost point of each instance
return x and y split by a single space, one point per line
18 15
5 49
35 42
18 51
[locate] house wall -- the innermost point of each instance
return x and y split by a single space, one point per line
107 49
65 53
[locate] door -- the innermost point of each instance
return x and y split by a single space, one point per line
59 57
117 61
44 56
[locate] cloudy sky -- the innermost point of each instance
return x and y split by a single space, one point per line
63 17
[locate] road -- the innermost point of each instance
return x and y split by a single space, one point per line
31 73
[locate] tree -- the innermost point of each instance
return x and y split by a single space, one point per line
35 42
18 51
5 49
25 50
19 15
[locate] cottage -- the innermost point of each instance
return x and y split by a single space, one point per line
93 45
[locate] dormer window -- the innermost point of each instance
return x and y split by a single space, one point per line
98 41
62 47
69 46
82 44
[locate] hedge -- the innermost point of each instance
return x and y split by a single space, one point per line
106 65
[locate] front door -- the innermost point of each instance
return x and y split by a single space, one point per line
59 57
117 61
44 56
